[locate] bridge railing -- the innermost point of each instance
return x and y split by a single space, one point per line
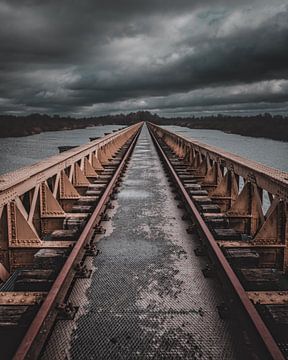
34 199
253 196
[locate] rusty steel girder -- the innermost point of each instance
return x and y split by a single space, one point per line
37 199
177 160
54 303
239 186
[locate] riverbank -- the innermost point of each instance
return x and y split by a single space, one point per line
263 125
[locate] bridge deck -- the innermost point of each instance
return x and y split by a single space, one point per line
147 297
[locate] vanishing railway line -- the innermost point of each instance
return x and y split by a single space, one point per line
51 215
245 247
67 235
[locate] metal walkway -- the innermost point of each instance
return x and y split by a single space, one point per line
182 240
147 297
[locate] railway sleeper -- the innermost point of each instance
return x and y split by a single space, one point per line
63 234
218 225
87 200
14 321
215 223
50 258
93 192
262 279
34 280
82 208
76 222
48 262
257 270
276 317
226 234
13 317
190 181
242 258
191 186
197 192
101 182
210 208
202 200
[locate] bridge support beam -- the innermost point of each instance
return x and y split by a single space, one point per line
37 202
221 173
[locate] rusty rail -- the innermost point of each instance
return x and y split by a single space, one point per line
34 200
272 180
18 182
26 346
207 163
229 190
220 173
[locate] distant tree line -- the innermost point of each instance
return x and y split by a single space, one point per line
262 125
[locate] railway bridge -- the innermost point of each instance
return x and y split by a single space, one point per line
144 244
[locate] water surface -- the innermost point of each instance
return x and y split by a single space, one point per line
269 152
21 151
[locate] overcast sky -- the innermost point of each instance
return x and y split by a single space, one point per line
173 57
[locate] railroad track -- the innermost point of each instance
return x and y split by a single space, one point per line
33 298
256 294
52 213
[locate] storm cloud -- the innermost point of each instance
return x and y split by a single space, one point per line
173 57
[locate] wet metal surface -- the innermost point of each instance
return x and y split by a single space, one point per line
147 298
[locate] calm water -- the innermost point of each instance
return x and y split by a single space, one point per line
269 152
18 152
22 151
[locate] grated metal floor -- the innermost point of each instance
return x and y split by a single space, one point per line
147 298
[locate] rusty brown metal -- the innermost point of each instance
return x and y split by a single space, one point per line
273 180
221 172
34 204
246 244
21 298
263 334
20 181
4 274
30 338
35 200
268 297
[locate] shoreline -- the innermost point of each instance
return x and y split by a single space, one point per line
263 125
229 132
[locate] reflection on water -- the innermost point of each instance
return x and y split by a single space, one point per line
22 151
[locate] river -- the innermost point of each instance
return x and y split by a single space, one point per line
269 152
22 151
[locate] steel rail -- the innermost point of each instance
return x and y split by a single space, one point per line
261 329
50 301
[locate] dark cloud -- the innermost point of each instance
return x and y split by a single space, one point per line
94 57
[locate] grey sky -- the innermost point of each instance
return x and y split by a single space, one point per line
172 57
